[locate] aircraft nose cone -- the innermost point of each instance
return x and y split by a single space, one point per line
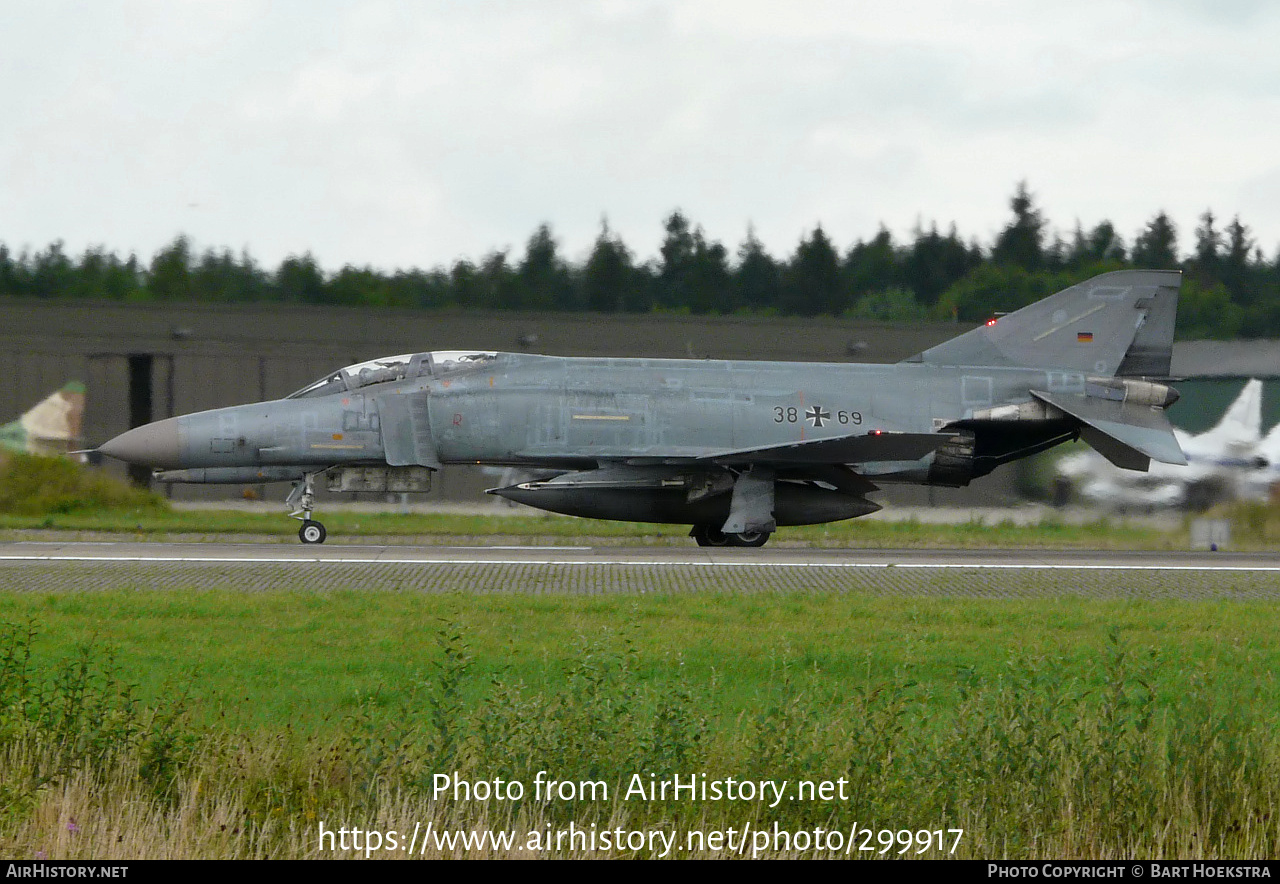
151 445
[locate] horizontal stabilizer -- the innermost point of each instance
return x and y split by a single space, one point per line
1127 434
838 450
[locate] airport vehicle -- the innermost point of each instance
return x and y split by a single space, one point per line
1226 462
732 448
50 427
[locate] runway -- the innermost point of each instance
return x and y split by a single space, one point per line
68 566
662 557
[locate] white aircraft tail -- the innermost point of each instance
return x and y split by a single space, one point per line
1240 426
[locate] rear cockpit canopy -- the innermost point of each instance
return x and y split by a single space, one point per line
437 363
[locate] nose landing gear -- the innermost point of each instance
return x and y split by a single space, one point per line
301 501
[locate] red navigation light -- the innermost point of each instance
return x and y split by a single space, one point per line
991 322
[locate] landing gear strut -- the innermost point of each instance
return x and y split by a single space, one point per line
301 501
710 535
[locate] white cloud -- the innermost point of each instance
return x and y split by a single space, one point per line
400 133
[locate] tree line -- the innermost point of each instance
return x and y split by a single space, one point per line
1230 288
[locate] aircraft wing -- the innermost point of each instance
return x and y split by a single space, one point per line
1126 434
868 447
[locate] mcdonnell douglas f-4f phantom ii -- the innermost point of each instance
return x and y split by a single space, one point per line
733 448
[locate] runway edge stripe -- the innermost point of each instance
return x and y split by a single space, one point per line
922 566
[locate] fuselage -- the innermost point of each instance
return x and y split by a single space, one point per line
560 412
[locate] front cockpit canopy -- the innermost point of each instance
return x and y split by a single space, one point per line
409 366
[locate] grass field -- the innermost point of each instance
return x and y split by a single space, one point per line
149 711
309 658
221 723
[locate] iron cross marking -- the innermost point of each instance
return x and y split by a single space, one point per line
817 416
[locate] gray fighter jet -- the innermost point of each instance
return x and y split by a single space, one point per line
733 448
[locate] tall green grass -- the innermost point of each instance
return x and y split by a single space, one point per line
36 486
1042 756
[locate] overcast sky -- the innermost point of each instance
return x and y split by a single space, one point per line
414 133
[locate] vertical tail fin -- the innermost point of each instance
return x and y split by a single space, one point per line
51 426
1241 424
1115 324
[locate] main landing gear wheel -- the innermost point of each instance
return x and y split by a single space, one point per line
311 532
706 535
709 535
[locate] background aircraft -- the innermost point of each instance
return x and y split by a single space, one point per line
1223 463
1263 482
50 427
733 448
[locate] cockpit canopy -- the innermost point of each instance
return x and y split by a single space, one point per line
437 363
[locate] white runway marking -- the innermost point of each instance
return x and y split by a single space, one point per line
514 546
641 562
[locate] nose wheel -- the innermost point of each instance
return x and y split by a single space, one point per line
301 501
311 532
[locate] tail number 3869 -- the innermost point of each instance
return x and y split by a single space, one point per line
814 415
